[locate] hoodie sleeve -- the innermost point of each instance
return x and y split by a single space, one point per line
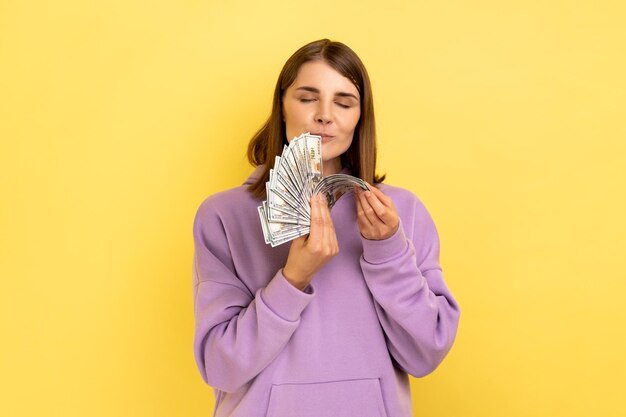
237 333
414 306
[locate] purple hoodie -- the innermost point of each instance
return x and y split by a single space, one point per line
376 312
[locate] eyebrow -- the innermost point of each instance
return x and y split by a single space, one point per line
315 90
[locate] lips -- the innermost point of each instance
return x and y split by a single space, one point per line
325 136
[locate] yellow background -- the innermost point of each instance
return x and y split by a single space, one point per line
118 118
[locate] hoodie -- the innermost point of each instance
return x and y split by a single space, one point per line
374 314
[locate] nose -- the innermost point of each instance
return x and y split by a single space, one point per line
322 115
323 120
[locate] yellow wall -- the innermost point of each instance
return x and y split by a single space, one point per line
118 118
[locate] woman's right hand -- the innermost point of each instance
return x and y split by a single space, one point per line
309 253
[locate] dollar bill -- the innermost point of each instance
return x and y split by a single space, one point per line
295 177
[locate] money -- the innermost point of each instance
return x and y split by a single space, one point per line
295 177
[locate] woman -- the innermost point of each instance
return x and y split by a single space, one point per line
331 324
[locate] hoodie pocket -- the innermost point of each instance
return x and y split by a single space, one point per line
358 398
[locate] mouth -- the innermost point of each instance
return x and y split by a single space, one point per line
325 136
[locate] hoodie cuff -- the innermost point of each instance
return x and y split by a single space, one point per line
381 251
284 299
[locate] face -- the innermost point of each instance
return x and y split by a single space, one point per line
325 103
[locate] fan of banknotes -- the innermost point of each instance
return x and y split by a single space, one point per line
296 176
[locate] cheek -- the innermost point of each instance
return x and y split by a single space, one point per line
292 117
353 121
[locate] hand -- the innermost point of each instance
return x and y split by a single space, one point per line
376 214
309 253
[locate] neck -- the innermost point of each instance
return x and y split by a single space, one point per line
332 166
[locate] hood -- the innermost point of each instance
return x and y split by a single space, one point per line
255 175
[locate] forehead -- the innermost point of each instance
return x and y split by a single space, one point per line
320 75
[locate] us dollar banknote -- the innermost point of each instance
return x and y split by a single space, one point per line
294 179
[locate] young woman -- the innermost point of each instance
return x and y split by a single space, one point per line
333 323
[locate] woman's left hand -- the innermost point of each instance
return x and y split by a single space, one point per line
376 214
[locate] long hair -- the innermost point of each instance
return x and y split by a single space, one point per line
268 141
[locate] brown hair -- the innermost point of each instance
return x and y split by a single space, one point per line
267 143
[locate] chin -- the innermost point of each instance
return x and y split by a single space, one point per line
332 151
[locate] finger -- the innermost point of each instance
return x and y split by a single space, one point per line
379 208
390 215
324 212
385 199
367 208
330 237
317 221
360 213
